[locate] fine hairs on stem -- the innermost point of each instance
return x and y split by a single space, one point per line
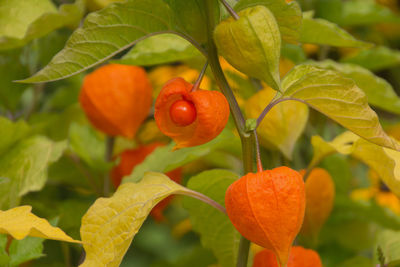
200 78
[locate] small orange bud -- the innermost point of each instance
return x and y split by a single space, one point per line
132 157
299 257
320 194
268 208
116 99
191 127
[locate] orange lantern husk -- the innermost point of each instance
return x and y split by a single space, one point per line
212 113
299 257
116 99
268 208
320 196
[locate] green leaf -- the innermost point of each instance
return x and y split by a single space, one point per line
29 248
375 59
350 210
389 243
190 16
4 257
249 47
110 224
379 92
358 261
160 49
56 125
11 68
198 257
338 98
163 159
287 15
23 21
384 161
11 132
26 167
86 143
216 230
106 33
323 32
366 12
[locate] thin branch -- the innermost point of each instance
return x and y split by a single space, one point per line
271 104
230 9
200 78
204 198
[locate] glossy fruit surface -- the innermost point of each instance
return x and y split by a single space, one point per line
116 99
183 113
268 208
211 107
299 257
129 159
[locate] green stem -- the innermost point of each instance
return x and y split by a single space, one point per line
219 74
108 157
243 252
204 198
247 138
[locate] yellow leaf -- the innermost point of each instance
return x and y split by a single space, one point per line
384 161
19 222
341 144
282 125
110 224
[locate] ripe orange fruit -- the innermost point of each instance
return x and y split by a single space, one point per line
116 99
268 208
182 112
190 118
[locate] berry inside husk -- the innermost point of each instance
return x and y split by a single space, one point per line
182 113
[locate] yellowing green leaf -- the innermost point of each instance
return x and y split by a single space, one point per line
252 44
160 49
375 59
25 168
378 91
282 125
320 31
388 242
23 21
288 16
107 32
19 222
99 4
110 224
11 132
338 98
341 144
384 161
